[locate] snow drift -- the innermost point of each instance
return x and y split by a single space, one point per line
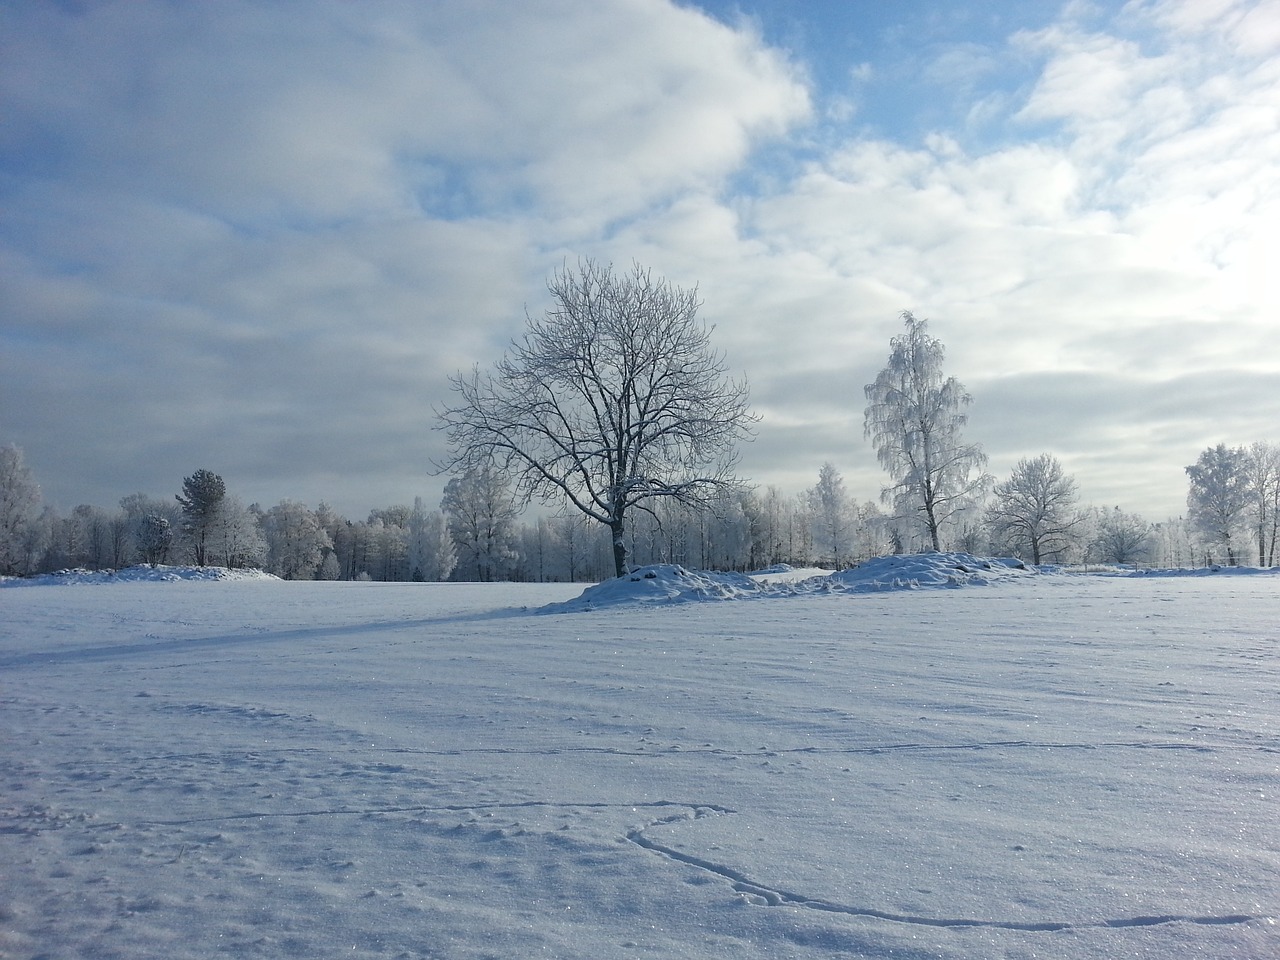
137 574
672 583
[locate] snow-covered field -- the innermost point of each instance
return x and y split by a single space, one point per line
899 763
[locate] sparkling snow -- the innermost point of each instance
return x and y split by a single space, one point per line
935 757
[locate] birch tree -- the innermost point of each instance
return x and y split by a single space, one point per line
1263 466
914 418
1219 496
833 518
613 398
482 513
19 500
295 540
432 554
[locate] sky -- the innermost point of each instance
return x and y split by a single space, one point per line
257 237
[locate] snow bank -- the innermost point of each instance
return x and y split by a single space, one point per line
1216 570
916 571
137 574
663 583
671 583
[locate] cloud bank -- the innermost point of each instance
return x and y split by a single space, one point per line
257 238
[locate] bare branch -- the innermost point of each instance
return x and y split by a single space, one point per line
612 398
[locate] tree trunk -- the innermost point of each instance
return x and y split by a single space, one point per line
933 528
618 532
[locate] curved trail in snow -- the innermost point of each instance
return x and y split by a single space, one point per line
776 897
758 892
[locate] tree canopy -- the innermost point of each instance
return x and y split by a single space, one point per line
612 398
914 418
202 495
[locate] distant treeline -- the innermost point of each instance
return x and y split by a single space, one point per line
480 532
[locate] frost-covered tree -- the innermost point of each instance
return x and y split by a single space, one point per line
875 530
120 543
833 518
800 530
394 516
295 540
202 494
19 506
1034 511
914 418
1219 497
758 532
612 399
1263 465
65 546
1173 543
37 541
482 514
432 555
137 507
234 537
90 534
388 550
1122 537
155 537
329 568
775 509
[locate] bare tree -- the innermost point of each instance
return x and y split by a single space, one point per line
1219 497
1263 465
914 417
612 398
1035 509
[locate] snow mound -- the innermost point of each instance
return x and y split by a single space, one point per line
663 583
137 574
671 583
1216 570
921 570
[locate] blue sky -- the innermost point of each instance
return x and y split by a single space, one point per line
257 237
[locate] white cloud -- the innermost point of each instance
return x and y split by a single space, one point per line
257 113
259 241
1131 244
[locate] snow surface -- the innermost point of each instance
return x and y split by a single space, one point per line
992 762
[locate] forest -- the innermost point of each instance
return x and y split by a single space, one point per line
480 532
